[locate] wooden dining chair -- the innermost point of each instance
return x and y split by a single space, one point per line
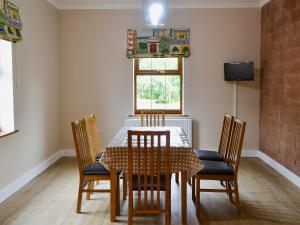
96 152
152 118
89 170
221 154
94 140
148 152
224 171
94 137
223 145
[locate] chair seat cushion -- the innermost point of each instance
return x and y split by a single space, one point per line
215 168
209 155
95 169
162 183
98 157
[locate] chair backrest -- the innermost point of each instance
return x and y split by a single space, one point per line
93 135
82 145
148 153
152 118
225 135
236 144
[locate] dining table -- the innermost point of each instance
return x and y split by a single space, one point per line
183 160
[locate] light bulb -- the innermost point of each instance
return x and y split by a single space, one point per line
156 11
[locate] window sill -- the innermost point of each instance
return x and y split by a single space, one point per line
4 134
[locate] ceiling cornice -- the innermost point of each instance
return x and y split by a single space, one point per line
136 4
55 3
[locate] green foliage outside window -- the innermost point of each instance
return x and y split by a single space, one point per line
161 89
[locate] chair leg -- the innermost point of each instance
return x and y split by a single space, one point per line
130 217
198 197
222 183
130 207
88 194
177 177
237 198
79 198
124 186
93 186
193 189
229 191
168 202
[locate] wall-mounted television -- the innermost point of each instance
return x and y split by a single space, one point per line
238 71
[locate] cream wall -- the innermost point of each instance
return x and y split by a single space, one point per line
97 77
37 91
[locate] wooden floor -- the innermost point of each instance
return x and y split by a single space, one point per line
50 199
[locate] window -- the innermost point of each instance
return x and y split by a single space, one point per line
158 84
6 88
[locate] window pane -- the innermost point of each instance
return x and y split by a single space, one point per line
173 92
158 64
6 87
145 64
171 64
158 92
143 95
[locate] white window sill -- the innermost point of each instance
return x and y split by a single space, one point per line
4 134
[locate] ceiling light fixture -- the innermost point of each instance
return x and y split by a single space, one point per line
155 12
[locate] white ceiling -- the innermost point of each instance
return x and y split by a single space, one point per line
135 4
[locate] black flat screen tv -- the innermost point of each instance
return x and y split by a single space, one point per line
238 71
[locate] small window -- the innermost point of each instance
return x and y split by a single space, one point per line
158 84
6 88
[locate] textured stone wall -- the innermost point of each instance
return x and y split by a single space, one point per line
280 82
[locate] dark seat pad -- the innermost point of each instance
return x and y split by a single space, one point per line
161 184
95 169
215 168
209 155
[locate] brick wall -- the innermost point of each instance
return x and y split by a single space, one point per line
280 87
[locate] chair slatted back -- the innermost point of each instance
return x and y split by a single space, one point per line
225 135
236 144
93 134
147 152
152 118
81 141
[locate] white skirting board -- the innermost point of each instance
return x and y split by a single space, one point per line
274 164
16 185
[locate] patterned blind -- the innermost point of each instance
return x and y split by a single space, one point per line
10 22
158 42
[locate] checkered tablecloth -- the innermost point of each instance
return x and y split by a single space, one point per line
183 158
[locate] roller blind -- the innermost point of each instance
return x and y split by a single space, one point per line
10 22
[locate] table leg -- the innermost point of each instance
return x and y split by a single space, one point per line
118 196
177 177
183 196
113 194
193 188
124 186
198 197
